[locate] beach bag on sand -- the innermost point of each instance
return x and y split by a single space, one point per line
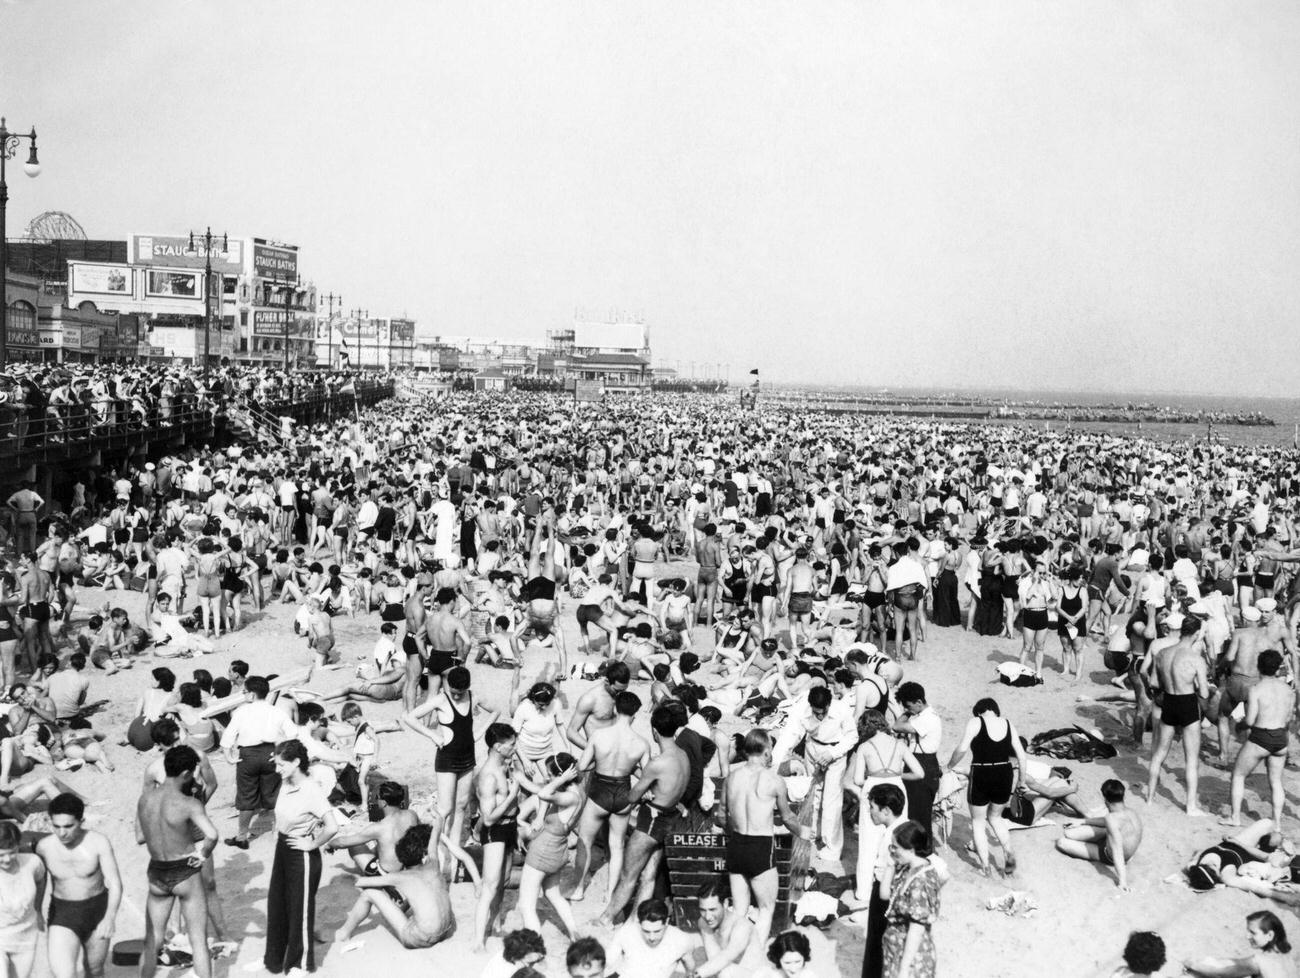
1014 674
1072 744
1020 810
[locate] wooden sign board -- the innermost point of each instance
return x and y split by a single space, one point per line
696 858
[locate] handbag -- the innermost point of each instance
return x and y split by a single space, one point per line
1019 810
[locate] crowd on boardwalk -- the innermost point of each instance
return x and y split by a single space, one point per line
52 403
754 585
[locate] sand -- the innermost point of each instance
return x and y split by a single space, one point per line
1079 929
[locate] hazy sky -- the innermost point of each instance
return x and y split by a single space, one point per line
1001 192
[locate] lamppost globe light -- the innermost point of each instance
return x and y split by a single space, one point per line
32 169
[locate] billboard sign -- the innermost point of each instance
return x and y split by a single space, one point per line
402 331
174 250
276 262
172 283
588 391
270 322
102 279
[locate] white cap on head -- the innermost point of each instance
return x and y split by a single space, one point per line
1266 605
1250 614
1174 620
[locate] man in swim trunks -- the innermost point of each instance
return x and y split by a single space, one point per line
596 707
1270 706
25 504
665 780
497 793
446 639
753 790
1240 661
1179 670
613 752
803 584
413 639
173 825
36 588
708 553
373 846
87 890
1111 839
413 901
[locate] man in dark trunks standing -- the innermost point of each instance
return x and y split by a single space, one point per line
753 793
87 890
665 780
709 555
1179 670
169 817
614 752
446 639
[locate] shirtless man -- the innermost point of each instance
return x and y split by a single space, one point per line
803 587
413 641
612 752
423 916
446 639
87 890
726 934
1111 839
168 819
1278 633
25 504
753 792
497 792
664 780
36 589
1269 707
677 611
1179 670
1240 660
595 707
708 553
373 846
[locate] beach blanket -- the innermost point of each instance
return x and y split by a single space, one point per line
1071 743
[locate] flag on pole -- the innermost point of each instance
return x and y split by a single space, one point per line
349 388
754 372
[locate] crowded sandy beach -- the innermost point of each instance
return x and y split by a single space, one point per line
448 682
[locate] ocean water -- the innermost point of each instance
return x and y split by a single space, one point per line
1284 410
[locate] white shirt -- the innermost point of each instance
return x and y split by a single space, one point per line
444 532
385 652
257 722
300 808
929 731
630 956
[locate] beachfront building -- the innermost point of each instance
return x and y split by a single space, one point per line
616 354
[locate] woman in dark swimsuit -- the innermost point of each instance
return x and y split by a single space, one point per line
468 528
453 765
1071 610
1246 576
992 742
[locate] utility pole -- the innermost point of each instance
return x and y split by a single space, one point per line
329 327
289 288
207 293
